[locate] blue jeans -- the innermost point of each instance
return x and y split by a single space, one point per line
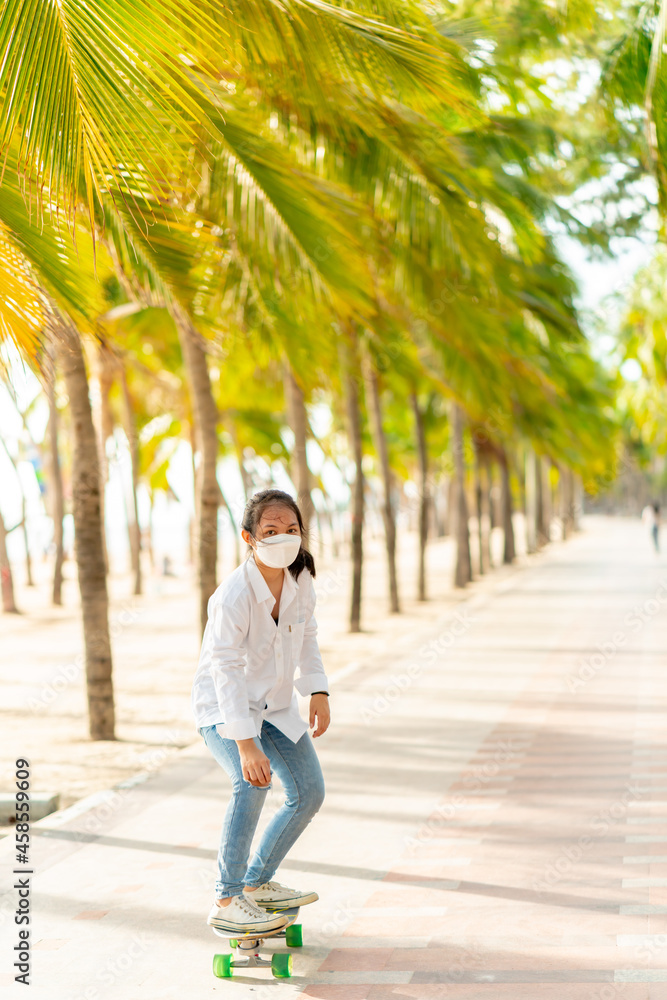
300 774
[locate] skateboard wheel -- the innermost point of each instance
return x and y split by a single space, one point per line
222 966
233 943
281 966
294 936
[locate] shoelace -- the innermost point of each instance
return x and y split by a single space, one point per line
249 907
276 887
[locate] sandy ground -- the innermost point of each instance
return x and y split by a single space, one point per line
155 650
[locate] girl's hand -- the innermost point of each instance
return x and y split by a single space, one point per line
319 709
254 764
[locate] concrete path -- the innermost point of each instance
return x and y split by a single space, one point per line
494 826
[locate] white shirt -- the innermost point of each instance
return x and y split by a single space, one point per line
648 516
247 662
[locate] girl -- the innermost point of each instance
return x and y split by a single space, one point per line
261 630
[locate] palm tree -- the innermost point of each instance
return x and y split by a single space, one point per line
66 280
353 381
509 549
424 494
105 426
207 418
6 580
382 451
55 487
130 425
463 565
298 422
86 508
23 523
530 475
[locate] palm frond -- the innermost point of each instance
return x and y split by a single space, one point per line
22 304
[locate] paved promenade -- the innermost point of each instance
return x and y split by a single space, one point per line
494 827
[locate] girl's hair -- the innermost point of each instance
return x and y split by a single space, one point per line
252 514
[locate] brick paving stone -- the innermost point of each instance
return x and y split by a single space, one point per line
515 991
370 958
347 992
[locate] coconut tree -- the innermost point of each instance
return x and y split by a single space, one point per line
424 493
206 432
55 479
23 523
463 564
6 579
353 383
298 422
530 474
374 402
130 426
51 277
86 509
509 548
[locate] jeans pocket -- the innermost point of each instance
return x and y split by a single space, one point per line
205 730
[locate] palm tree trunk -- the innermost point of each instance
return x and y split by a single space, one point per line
531 499
298 421
86 488
479 492
452 501
486 484
567 501
26 542
192 527
541 533
509 551
133 528
423 495
57 503
237 546
463 566
440 510
149 533
332 531
546 505
354 422
206 421
319 520
105 376
23 523
577 501
243 471
388 514
8 601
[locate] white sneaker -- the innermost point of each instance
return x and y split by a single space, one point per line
274 896
242 915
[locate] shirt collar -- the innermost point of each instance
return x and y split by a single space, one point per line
261 588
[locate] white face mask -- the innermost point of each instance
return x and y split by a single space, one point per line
278 551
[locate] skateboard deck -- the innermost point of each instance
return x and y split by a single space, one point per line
247 946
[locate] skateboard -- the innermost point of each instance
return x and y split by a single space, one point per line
249 957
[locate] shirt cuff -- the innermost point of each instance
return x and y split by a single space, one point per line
309 684
243 729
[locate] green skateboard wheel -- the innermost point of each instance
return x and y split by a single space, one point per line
294 936
281 966
233 943
222 966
